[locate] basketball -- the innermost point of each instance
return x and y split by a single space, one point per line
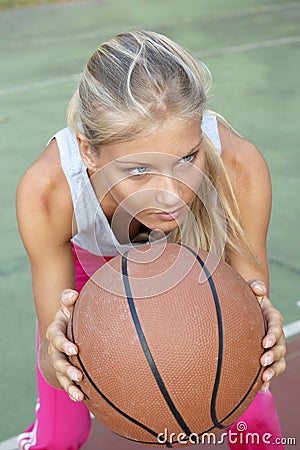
169 342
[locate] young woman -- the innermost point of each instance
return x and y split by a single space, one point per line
141 149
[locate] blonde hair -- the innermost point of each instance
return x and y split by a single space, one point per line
129 86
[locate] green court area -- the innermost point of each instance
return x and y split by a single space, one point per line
252 49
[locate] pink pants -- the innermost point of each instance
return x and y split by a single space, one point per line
62 424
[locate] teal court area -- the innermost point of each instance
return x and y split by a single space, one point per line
252 50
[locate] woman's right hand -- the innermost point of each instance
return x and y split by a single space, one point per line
60 346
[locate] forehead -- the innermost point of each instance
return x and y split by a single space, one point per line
175 138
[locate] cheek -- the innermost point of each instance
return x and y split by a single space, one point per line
199 172
132 198
191 181
200 164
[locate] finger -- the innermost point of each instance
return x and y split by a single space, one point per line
56 335
258 287
271 372
66 375
67 300
63 345
274 321
272 339
265 387
74 392
274 370
68 297
58 341
64 369
275 354
274 331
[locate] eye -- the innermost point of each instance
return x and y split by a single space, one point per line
137 171
189 158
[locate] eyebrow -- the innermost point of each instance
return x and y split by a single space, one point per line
144 163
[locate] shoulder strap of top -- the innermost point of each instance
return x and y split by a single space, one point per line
210 128
71 162
83 196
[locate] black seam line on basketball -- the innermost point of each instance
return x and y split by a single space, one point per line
147 351
220 339
131 419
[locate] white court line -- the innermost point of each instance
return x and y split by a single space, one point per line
207 53
39 84
250 46
291 329
10 444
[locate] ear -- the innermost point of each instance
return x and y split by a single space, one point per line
88 155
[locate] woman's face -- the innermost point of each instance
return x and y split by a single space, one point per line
154 178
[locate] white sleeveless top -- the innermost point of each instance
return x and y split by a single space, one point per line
94 233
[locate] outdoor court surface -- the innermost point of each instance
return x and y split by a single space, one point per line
252 50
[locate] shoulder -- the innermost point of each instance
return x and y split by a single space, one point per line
244 163
44 179
43 191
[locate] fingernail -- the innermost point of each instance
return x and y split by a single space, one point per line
269 343
71 350
67 295
268 360
74 376
266 388
64 297
260 288
74 396
269 376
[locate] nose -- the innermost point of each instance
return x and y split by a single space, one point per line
168 192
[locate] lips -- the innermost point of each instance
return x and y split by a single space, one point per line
169 215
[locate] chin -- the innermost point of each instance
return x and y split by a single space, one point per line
164 227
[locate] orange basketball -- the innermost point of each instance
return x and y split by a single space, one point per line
169 343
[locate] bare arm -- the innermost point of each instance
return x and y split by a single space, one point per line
250 179
251 183
44 212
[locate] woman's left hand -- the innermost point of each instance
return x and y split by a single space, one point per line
273 342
